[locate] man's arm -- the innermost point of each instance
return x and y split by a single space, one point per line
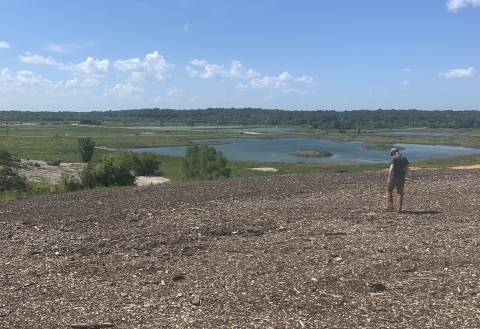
390 172
406 169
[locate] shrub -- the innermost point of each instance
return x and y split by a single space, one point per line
11 181
145 163
88 176
116 169
69 182
86 147
205 162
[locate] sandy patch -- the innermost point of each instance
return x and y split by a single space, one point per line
251 132
477 166
264 169
148 180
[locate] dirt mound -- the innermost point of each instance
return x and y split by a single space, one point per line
309 251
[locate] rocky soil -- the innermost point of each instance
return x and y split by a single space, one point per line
309 251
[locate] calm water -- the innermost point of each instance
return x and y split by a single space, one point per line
227 128
277 150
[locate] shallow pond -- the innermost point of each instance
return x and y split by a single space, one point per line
278 150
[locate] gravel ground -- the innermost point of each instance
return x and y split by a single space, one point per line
308 251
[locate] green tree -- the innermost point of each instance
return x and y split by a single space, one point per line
116 169
205 162
86 147
5 157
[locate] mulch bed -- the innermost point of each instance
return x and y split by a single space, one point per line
307 251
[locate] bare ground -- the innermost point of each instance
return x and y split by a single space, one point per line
309 251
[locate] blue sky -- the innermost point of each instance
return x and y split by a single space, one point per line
275 54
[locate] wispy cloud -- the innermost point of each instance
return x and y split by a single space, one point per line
25 73
406 69
30 58
456 5
458 73
405 82
4 45
212 71
153 68
174 92
62 48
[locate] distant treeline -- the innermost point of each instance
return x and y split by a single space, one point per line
360 119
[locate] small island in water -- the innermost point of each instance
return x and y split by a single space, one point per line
312 154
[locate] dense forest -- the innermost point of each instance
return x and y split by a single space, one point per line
363 119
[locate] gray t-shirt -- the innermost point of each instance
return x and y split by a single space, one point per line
399 163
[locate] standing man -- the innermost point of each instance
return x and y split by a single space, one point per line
396 179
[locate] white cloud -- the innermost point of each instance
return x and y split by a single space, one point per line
268 97
174 92
456 5
458 73
199 62
405 82
76 82
193 100
277 82
219 71
4 45
7 80
406 69
92 68
89 68
25 73
306 79
152 68
185 28
30 58
123 90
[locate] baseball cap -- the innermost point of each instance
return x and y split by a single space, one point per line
393 150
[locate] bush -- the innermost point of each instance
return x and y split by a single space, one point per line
86 147
69 182
88 176
10 181
42 188
205 162
145 163
117 169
